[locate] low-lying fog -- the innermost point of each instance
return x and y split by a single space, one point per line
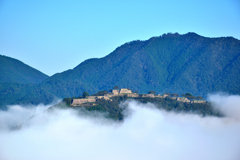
146 134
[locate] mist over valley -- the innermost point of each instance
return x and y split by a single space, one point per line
146 133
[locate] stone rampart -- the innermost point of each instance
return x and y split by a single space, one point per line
159 96
77 102
148 95
198 101
183 99
91 97
124 91
133 95
115 92
174 98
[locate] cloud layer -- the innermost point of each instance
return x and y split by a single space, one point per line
147 133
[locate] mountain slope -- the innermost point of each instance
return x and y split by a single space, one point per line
172 62
12 70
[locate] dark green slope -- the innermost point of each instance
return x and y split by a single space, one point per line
196 64
16 93
92 74
12 70
169 63
17 80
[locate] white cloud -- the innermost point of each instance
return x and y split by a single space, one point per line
227 104
148 133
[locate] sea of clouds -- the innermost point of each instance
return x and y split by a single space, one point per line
147 133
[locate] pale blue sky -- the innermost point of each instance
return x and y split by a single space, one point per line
55 35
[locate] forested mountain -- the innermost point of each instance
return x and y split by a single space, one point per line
169 63
12 70
17 80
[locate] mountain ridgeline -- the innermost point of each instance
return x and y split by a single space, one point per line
17 80
169 63
15 71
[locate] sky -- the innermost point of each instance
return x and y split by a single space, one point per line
56 35
146 133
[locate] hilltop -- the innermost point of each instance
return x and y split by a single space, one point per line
111 102
127 93
17 79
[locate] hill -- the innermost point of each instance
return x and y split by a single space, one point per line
12 70
110 103
16 80
169 63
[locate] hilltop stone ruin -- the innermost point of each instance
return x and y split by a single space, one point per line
128 93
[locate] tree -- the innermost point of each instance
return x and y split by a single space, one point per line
199 97
85 94
68 101
189 96
116 87
174 95
167 93
135 91
152 92
100 93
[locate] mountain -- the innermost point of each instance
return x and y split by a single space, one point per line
12 70
16 80
169 63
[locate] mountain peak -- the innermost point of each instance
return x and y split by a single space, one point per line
183 63
13 70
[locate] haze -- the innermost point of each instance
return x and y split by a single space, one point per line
146 133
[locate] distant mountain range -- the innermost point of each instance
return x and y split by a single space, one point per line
169 63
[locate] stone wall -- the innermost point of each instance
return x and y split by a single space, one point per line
124 91
165 95
103 97
174 98
198 101
91 97
115 92
148 95
133 95
159 96
77 102
183 99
